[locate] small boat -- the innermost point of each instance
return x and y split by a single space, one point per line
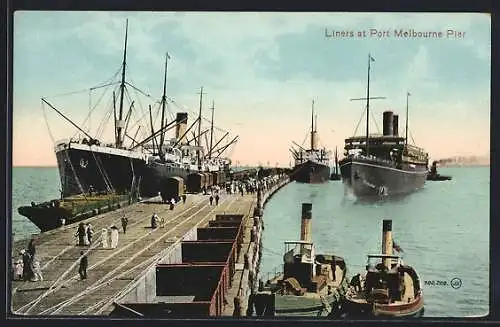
310 285
59 212
388 288
433 175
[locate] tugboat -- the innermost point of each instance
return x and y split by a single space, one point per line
335 176
310 285
388 288
433 175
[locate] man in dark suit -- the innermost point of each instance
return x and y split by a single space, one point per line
83 266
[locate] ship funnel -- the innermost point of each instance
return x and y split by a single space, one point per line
387 241
395 125
388 123
306 227
181 126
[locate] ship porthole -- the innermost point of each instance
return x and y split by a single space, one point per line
83 163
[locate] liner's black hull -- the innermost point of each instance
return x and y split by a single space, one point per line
85 168
310 172
372 179
157 173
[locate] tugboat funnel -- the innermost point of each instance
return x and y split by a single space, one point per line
306 227
387 241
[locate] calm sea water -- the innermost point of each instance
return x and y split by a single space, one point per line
443 230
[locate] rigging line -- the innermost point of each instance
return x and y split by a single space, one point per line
184 108
104 120
95 105
105 177
74 173
375 121
88 115
138 100
359 122
107 83
47 123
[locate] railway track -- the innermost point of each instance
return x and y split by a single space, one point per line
112 272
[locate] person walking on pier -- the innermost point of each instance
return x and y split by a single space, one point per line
184 198
27 271
114 237
37 270
217 199
32 248
172 203
104 238
19 269
83 266
154 221
211 199
124 224
89 232
81 234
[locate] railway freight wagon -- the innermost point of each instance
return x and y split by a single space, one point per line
195 182
173 187
216 178
208 180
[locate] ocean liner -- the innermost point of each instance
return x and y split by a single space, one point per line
383 165
177 157
311 165
96 177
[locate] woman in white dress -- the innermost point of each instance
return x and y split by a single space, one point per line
37 270
104 238
85 238
114 237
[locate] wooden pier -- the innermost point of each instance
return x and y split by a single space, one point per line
110 270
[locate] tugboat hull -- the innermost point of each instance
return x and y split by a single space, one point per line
311 172
371 178
355 309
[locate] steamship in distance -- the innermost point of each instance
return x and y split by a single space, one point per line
311 165
93 172
383 165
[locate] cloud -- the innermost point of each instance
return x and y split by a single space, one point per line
261 69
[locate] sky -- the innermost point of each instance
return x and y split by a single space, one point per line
261 70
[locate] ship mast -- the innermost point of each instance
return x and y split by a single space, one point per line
406 137
312 125
370 59
199 129
120 124
368 106
211 131
163 103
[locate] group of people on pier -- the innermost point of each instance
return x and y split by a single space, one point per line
28 268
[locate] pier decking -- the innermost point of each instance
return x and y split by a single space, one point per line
110 270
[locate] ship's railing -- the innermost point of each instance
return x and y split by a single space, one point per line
371 158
